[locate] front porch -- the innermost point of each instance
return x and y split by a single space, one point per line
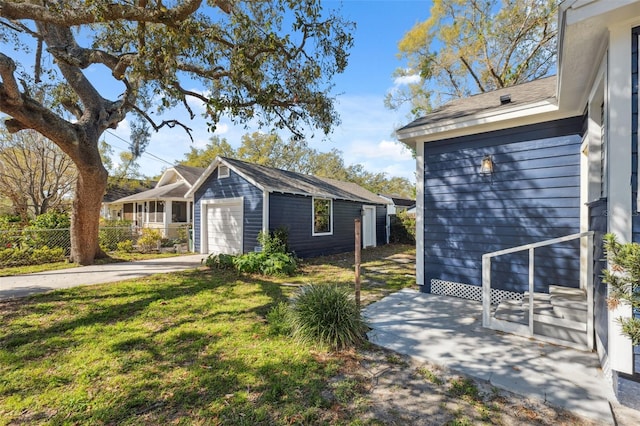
448 331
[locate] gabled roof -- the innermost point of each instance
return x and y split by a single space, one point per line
527 103
543 89
173 190
126 188
190 174
398 200
270 179
186 177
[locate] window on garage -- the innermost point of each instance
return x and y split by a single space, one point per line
322 216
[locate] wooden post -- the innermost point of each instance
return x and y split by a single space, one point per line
358 229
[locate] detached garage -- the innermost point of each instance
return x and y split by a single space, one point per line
234 201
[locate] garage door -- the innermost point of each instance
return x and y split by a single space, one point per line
224 228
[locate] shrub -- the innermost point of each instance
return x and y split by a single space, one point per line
624 282
29 256
150 239
113 232
274 242
220 261
249 263
279 320
125 246
278 264
402 228
50 229
327 315
10 231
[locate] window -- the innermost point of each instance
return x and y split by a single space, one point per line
156 211
322 217
178 211
223 171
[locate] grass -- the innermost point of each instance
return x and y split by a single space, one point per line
183 348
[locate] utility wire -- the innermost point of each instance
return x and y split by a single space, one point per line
147 153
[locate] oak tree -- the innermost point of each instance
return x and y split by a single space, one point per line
269 62
474 46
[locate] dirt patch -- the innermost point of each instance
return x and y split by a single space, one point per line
382 387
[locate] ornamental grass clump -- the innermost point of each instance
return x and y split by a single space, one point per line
327 315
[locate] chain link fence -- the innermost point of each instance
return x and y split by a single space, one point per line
28 246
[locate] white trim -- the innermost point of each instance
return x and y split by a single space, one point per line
619 194
212 167
372 225
204 249
482 122
265 211
313 214
420 213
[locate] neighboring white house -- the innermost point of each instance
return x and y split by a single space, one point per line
518 171
163 207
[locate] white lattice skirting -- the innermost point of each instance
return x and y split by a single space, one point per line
471 292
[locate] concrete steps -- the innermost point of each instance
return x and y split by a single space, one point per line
560 314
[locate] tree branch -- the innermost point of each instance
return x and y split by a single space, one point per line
168 123
121 12
9 91
473 74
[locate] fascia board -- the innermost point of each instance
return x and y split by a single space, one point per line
209 170
524 114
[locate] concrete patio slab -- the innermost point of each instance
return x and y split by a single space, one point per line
448 331
24 285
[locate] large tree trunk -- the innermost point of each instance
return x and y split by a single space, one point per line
85 217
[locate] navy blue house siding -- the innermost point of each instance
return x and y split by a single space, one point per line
294 212
232 187
533 195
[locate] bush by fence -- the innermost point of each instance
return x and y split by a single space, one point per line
403 229
33 245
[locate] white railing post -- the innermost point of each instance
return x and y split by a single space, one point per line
590 295
486 291
531 287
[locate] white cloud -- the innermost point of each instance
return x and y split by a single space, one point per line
390 150
406 80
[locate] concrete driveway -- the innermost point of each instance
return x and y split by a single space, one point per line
24 285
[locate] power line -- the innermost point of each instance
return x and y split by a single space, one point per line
145 153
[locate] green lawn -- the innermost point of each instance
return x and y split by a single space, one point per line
182 348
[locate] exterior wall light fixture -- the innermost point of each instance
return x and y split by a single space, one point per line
486 167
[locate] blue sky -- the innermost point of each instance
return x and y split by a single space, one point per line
366 133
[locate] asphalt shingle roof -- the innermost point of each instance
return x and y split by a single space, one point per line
521 94
277 180
190 174
173 190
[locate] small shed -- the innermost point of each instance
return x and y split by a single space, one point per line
235 200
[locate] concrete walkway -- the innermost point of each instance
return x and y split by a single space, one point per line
448 331
24 285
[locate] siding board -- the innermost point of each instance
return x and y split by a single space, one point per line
294 212
533 195
232 187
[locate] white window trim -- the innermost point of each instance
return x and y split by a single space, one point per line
313 214
222 167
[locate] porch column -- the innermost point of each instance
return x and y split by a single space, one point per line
619 175
167 217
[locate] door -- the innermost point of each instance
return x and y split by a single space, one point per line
222 227
368 226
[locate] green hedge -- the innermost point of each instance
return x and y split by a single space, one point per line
30 256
